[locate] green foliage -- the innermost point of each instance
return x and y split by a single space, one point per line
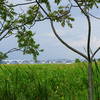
89 4
19 25
77 60
98 59
62 16
27 43
46 2
57 1
3 56
30 16
45 82
6 13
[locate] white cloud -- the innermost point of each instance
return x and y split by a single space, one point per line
95 42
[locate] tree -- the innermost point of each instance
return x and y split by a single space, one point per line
77 60
18 24
41 10
62 15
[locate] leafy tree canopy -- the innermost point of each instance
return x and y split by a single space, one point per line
19 24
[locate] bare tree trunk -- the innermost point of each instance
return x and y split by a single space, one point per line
90 81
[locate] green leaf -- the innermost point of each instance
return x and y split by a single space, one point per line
3 56
57 1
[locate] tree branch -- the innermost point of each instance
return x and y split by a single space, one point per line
5 35
89 30
90 69
95 53
2 25
13 50
67 45
94 16
89 37
21 4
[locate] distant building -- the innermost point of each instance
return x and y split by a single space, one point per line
43 62
53 61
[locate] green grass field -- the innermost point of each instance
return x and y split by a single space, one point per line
46 82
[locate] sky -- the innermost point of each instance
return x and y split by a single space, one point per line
53 49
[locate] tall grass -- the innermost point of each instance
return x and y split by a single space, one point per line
45 82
